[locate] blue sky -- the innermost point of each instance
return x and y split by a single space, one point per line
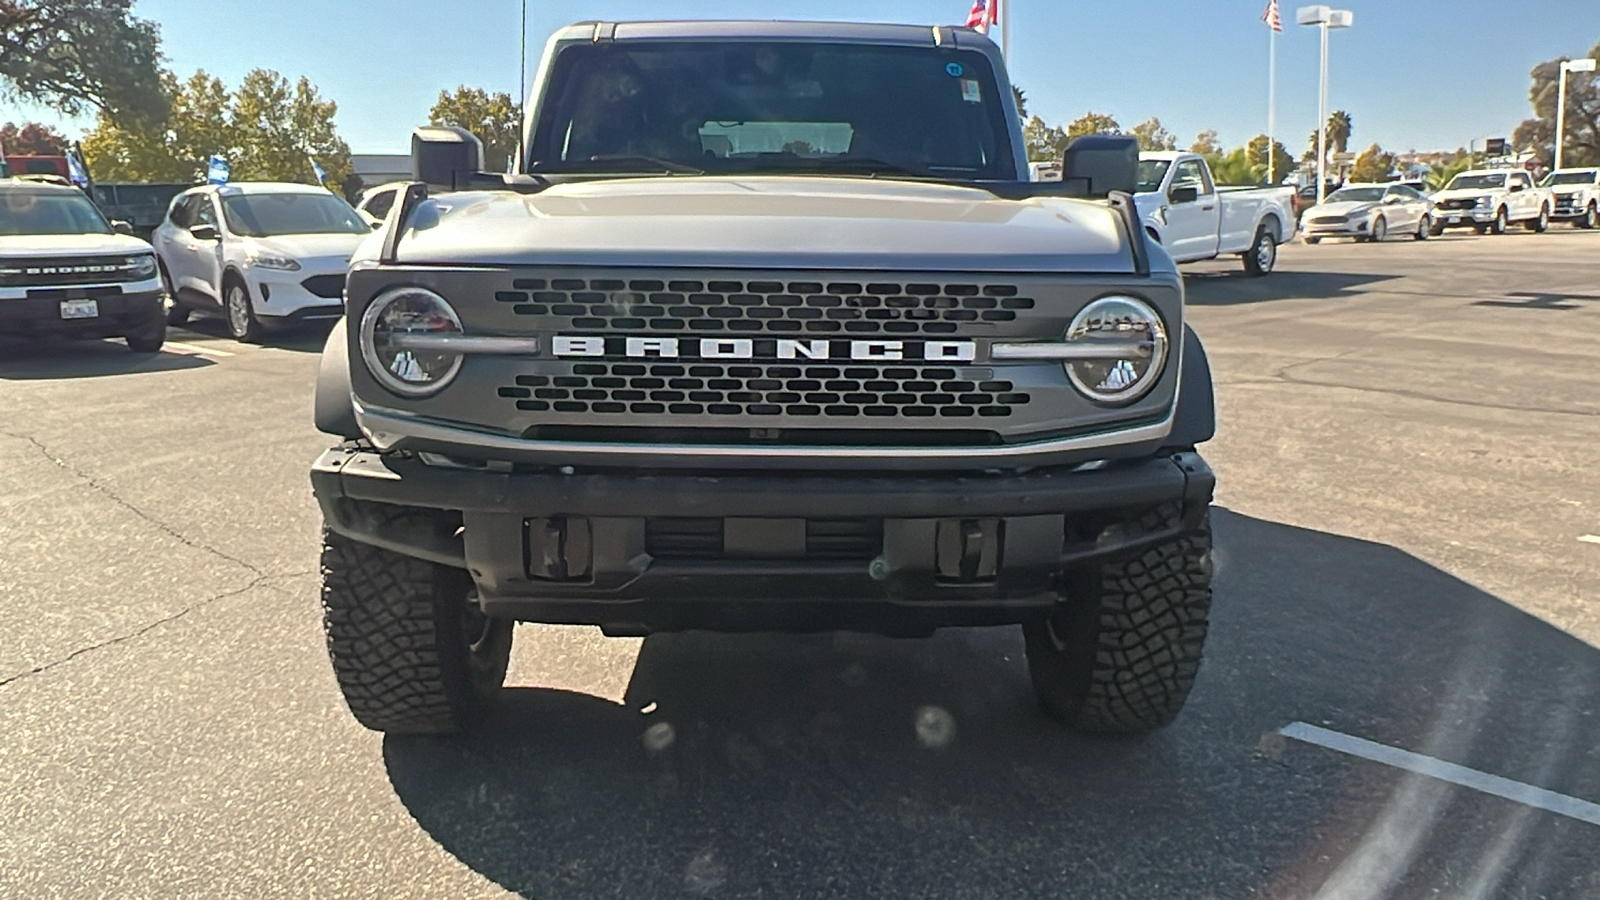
1414 74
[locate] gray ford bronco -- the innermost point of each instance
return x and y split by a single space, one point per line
768 331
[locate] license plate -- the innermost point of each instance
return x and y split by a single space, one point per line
80 309
1455 220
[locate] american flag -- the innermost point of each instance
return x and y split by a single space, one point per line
1271 17
984 13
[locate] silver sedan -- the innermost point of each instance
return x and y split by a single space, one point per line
1369 212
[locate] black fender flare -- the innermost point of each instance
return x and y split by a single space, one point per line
1195 420
332 409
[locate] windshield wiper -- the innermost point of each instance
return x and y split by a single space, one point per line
626 162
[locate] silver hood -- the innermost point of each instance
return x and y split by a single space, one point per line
767 222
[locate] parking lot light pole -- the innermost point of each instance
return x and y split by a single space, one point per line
1586 64
1326 19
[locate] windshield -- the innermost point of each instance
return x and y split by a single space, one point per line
49 212
1356 195
1151 171
1569 178
266 215
774 107
1476 182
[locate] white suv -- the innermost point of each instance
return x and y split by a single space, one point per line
1490 200
259 253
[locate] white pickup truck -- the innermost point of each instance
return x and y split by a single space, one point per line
1490 200
1576 195
1187 213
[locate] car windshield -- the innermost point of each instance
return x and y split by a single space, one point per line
774 107
1477 182
1356 195
1151 171
267 215
1555 178
49 212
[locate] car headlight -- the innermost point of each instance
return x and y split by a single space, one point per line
1484 202
400 334
264 260
1118 378
141 267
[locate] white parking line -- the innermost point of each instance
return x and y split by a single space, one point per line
1516 791
1589 538
194 349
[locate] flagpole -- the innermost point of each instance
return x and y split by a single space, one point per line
1272 107
1004 12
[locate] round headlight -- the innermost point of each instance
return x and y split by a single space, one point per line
395 333
1134 350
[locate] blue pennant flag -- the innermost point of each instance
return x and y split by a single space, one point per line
321 175
217 171
75 170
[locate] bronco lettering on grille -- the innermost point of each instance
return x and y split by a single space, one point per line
762 348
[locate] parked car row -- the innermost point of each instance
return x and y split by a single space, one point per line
1488 201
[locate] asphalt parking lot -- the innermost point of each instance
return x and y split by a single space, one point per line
1408 533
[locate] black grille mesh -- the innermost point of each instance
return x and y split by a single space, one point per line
766 307
701 538
328 287
765 390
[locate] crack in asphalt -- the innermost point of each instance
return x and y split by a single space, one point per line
259 581
180 537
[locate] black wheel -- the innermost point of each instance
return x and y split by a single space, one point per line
1501 221
1380 230
411 651
1423 230
1312 240
149 338
177 314
1481 229
1262 256
241 315
1121 651
1436 229
1541 224
1591 217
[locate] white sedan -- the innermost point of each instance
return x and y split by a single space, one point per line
1369 212
258 253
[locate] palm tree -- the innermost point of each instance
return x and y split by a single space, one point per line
1339 128
1022 101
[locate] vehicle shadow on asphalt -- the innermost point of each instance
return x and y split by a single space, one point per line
86 359
855 766
1214 288
304 338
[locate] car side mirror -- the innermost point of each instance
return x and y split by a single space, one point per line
1184 193
1390 200
1104 163
1515 188
204 233
445 157
121 227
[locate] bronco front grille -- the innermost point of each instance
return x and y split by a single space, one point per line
766 307
56 272
614 388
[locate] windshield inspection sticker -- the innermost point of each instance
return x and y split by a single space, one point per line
955 70
971 91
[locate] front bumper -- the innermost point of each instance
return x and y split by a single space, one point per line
1461 218
635 551
122 310
282 296
1342 229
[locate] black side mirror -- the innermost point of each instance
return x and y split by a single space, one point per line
445 157
204 233
1107 163
121 227
1183 193
1515 188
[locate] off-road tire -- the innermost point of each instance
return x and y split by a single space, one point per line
1120 652
1541 224
1262 257
401 636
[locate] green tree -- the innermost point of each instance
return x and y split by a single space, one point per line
80 56
1207 145
1311 148
1235 168
1282 162
279 129
1582 144
494 118
1152 136
1045 143
1372 165
1441 173
1092 123
32 139
1340 127
1021 97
